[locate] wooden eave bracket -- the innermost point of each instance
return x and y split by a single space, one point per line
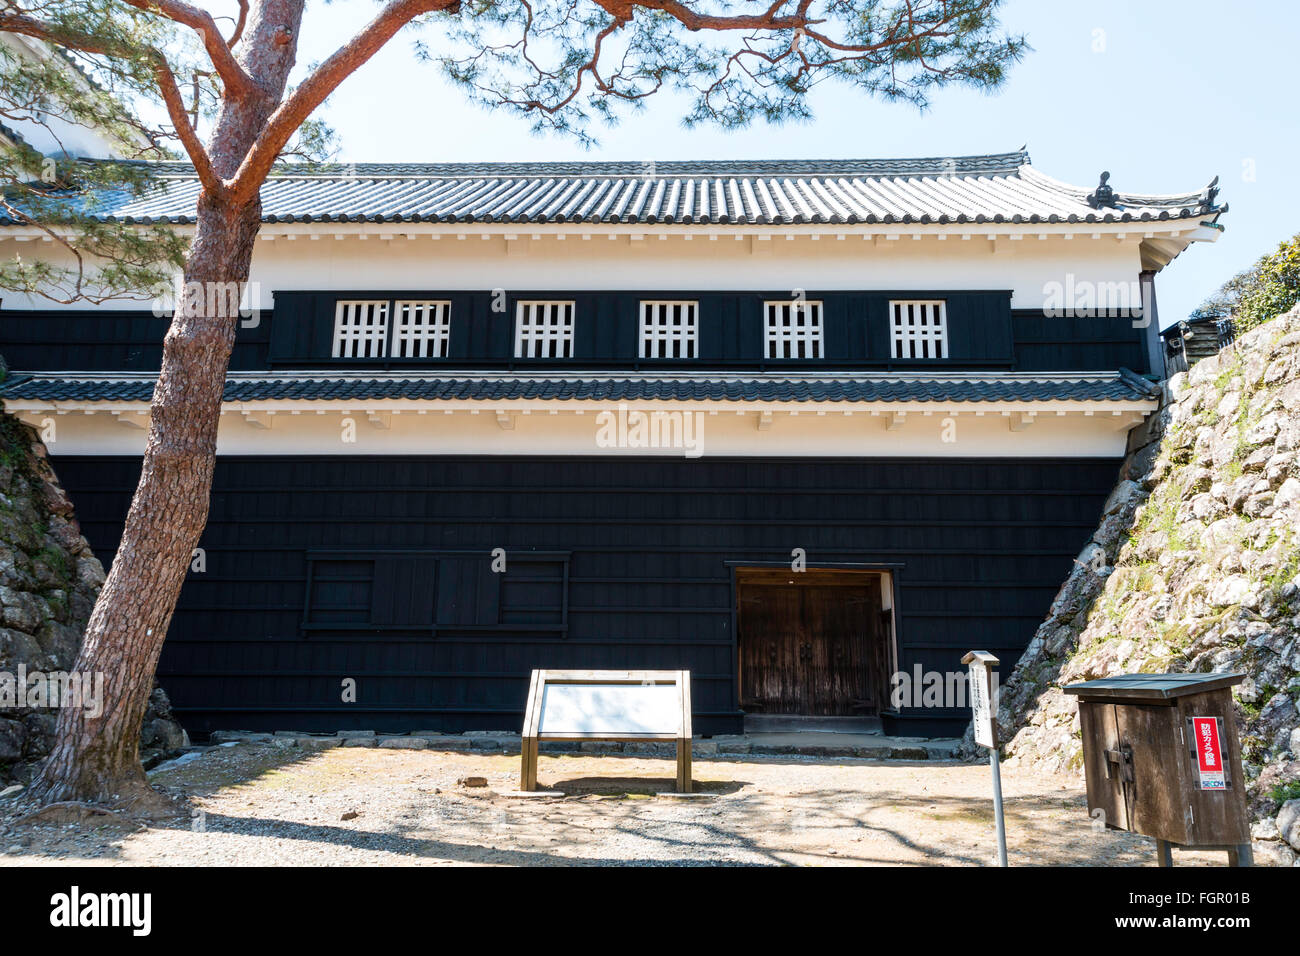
895 420
505 419
1020 421
258 419
1123 421
764 421
138 420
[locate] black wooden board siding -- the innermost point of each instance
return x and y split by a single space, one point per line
983 332
405 590
1082 343
104 340
980 547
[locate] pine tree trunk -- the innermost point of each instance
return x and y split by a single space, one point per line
97 759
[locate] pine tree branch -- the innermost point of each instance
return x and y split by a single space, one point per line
239 24
316 88
223 60
162 72
769 19
60 36
185 131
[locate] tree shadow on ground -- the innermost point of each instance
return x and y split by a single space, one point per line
618 786
215 770
603 820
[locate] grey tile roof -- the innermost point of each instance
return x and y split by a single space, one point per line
1122 386
965 189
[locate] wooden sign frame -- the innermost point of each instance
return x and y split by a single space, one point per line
532 735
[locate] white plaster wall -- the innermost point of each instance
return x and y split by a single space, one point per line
318 260
53 134
601 263
568 433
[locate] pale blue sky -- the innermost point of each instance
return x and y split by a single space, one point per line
1181 90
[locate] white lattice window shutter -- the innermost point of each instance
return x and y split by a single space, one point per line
421 328
544 329
669 329
360 328
919 328
794 329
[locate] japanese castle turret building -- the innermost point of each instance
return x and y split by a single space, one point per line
794 426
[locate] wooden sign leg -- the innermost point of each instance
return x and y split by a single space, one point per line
684 741
528 736
528 756
1164 853
683 765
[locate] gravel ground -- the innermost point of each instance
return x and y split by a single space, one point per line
258 805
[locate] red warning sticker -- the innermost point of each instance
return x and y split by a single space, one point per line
1209 752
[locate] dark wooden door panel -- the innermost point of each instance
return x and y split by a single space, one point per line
1105 781
836 632
772 679
882 659
812 648
1153 805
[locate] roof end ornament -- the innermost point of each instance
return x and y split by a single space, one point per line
1103 195
1211 193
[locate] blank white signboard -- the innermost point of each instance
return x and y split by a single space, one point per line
614 709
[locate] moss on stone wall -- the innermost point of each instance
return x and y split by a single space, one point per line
49 579
1201 573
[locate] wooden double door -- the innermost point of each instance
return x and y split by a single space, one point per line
812 643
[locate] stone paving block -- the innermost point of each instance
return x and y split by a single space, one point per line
909 753
506 743
826 751
558 747
238 737
873 753
601 747
776 750
649 748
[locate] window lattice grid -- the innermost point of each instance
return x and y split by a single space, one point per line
544 330
920 329
669 329
794 329
421 328
361 328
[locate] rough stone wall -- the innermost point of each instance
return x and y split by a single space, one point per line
49 579
1195 567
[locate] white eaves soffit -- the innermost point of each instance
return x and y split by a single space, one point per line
1160 242
392 427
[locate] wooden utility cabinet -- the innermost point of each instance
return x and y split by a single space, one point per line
1144 739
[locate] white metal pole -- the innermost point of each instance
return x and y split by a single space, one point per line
997 807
